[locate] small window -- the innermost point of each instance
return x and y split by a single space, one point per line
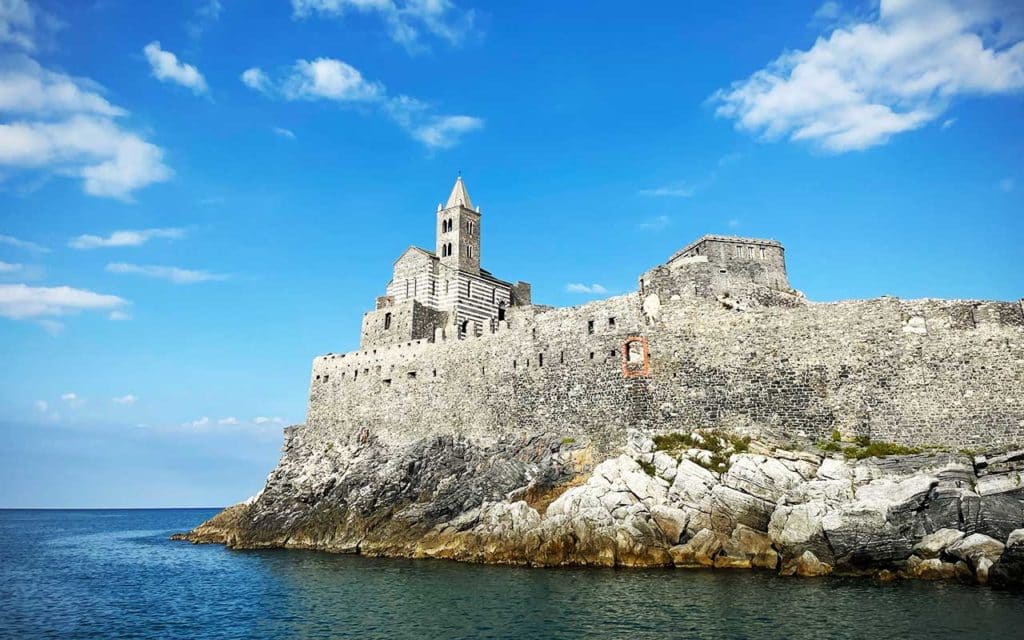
535 333
540 360
387 321
515 364
590 326
591 355
561 357
614 353
763 253
611 322
435 373
355 374
326 377
318 377
387 381
411 375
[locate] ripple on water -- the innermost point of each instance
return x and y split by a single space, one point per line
101 574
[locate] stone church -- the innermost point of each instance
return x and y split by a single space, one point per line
443 293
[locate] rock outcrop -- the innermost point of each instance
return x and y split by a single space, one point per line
543 501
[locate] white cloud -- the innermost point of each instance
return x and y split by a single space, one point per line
266 420
948 123
407 20
10 267
22 244
28 88
875 78
18 24
119 316
195 424
284 133
330 79
228 421
1006 185
442 132
176 275
166 68
18 301
577 287
125 238
670 191
69 397
657 223
42 406
125 399
256 78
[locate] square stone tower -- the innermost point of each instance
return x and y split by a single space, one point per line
458 231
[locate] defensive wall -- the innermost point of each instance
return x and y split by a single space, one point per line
942 372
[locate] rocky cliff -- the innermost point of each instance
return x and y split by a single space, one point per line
700 499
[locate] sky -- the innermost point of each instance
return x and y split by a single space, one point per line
199 197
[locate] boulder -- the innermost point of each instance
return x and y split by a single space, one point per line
936 569
699 551
933 544
671 521
795 529
762 477
1008 571
746 549
806 565
975 547
731 507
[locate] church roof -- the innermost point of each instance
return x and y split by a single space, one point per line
459 196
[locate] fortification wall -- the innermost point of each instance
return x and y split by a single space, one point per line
937 372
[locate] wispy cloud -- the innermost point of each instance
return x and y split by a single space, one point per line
670 191
125 238
266 420
196 424
21 302
125 399
880 76
657 223
69 397
166 67
231 420
10 267
119 316
284 133
949 122
22 244
340 82
578 287
176 275
407 20
205 16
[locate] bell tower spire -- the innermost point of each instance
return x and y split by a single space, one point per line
458 230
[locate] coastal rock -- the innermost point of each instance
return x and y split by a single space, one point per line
806 566
699 551
746 549
933 544
798 528
671 521
936 569
1008 571
975 547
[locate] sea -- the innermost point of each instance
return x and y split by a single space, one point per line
116 574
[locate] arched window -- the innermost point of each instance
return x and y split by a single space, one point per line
387 321
449 248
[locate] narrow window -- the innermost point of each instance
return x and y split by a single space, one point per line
433 287
591 355
494 296
762 253
535 333
540 360
590 326
355 374
561 357
387 320
483 370
515 364
501 312
406 288
463 328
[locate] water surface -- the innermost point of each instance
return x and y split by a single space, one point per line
106 574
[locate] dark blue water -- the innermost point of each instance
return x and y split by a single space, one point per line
107 574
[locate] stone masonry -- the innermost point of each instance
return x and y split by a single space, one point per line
715 337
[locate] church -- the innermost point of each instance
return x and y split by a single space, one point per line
443 293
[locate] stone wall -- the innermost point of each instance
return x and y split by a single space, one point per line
920 372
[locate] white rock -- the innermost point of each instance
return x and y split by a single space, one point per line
932 545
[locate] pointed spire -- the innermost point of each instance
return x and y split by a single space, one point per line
459 195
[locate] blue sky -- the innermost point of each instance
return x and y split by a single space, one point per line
197 198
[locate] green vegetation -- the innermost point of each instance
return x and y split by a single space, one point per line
862 447
647 467
719 445
836 436
568 441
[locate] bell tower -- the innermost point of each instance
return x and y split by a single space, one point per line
458 231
